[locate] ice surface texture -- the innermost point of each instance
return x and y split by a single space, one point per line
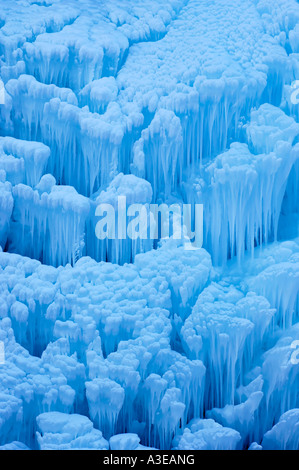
137 344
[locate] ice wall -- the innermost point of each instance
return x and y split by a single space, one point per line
190 101
48 222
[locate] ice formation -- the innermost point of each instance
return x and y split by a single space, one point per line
122 192
48 222
6 207
285 434
207 435
59 431
23 162
130 344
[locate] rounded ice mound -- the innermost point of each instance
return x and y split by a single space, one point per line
59 431
46 184
186 272
124 442
285 434
136 190
206 434
242 417
14 446
99 93
269 125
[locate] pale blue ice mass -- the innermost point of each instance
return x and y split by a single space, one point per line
126 345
